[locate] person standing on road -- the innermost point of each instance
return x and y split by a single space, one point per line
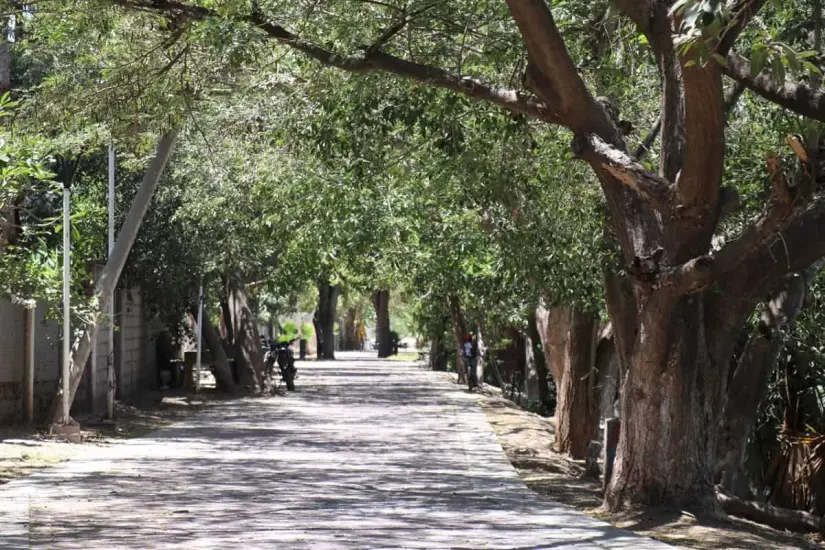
469 354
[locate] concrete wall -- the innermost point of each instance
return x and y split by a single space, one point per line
137 359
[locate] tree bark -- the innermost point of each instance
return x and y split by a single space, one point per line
114 267
459 329
325 315
748 382
349 333
220 363
554 325
540 360
577 418
248 353
531 371
436 354
481 351
778 518
9 212
5 59
227 334
381 301
609 374
569 338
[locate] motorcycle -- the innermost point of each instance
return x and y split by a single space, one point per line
281 353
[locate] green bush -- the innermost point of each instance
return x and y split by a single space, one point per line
289 331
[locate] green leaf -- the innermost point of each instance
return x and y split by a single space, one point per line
759 58
777 68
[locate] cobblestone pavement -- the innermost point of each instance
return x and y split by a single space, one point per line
366 454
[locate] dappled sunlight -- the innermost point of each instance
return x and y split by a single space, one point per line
366 454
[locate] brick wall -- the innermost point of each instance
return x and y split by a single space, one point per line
137 368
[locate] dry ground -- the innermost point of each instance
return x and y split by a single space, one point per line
25 450
527 439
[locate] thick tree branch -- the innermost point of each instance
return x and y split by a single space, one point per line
653 133
639 11
743 13
647 141
370 61
602 155
777 213
689 278
771 248
555 78
794 96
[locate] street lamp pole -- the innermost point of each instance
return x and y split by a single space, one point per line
67 329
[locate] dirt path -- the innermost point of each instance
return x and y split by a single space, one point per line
366 454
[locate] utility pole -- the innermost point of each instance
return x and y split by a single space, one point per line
197 380
111 383
67 274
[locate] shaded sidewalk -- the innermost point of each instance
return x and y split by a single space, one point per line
366 454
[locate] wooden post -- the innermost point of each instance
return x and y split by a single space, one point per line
30 315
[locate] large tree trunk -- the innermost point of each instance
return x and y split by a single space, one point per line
5 59
569 337
220 362
114 267
459 330
577 418
531 371
248 352
10 225
748 380
349 330
553 326
672 398
325 320
436 354
227 334
381 301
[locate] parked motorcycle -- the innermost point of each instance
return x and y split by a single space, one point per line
281 353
